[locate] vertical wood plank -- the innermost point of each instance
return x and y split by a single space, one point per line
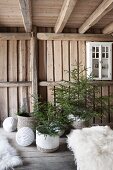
12 76
74 58
109 107
58 72
111 103
57 61
105 116
50 77
34 63
29 74
42 68
73 54
23 98
49 61
65 46
82 56
98 120
3 78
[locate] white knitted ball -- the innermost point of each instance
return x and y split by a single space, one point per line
25 136
10 124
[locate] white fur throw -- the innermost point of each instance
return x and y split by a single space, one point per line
92 148
8 155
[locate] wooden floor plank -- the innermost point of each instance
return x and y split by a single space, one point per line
34 160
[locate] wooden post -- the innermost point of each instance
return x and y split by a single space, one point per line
3 78
34 60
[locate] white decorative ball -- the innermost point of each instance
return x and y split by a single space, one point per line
10 124
25 136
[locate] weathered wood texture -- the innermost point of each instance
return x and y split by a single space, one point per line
108 29
3 77
55 58
45 13
77 37
66 10
34 62
26 12
15 79
15 36
61 55
103 9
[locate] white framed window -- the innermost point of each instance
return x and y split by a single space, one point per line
99 60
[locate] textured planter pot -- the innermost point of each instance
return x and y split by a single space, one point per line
61 133
25 122
80 123
46 143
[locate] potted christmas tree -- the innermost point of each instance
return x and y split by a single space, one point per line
79 98
49 123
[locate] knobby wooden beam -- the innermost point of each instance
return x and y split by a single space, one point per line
51 83
77 37
108 29
34 59
102 10
57 83
15 36
64 15
25 7
15 84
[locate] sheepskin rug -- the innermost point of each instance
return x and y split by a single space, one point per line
92 148
8 155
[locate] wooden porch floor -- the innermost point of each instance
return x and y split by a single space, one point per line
34 160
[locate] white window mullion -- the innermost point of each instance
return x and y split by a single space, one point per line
89 59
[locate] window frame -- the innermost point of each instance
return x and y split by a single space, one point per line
89 58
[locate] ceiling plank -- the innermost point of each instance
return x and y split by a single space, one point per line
25 7
64 15
102 10
108 29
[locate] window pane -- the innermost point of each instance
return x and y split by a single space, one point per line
104 68
107 55
93 49
106 49
93 55
103 49
103 55
97 49
97 55
95 70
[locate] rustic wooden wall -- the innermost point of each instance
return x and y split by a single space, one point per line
56 56
15 67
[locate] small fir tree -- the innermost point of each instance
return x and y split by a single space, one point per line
81 97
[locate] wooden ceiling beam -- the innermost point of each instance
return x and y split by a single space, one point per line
15 36
64 15
25 7
75 37
108 29
100 11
